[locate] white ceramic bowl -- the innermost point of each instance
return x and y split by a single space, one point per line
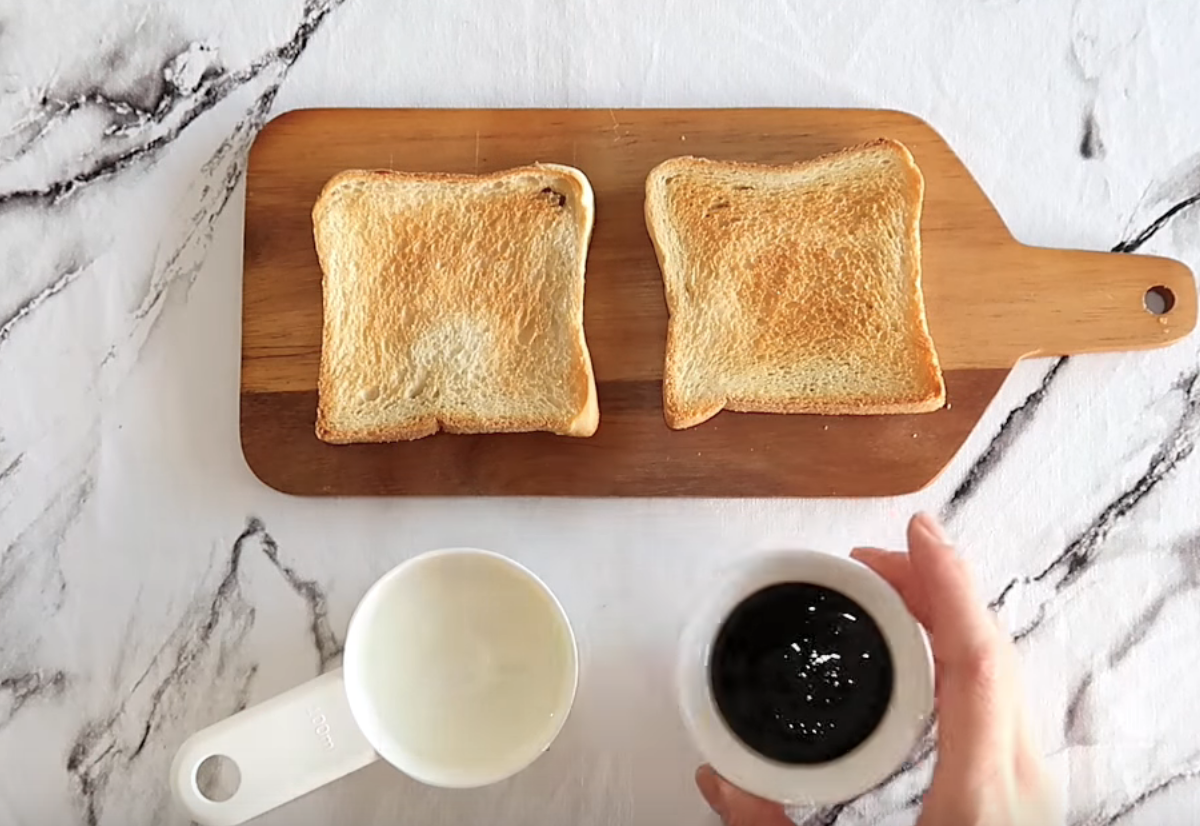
907 716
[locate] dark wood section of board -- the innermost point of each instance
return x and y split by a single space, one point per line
990 300
755 454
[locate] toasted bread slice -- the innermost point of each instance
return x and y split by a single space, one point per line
454 302
793 289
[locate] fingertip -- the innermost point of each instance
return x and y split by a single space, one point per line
929 529
932 555
709 784
884 563
929 548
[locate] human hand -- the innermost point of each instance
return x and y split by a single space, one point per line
988 771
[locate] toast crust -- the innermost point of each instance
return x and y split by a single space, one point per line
454 303
793 289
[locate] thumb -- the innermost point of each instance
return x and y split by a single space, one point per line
736 807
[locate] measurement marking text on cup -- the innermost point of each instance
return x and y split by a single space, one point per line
321 727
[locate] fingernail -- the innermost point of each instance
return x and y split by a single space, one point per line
933 527
862 554
709 784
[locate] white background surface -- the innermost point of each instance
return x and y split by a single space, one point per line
132 615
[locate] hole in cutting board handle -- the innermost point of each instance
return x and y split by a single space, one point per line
218 778
1159 300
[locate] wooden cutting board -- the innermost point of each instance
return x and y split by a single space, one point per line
990 300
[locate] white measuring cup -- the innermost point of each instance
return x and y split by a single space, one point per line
460 669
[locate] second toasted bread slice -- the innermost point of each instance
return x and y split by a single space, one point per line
454 302
793 289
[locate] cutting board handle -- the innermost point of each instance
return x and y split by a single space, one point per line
1109 302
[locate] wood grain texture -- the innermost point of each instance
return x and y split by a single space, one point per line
990 302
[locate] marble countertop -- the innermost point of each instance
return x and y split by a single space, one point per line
150 585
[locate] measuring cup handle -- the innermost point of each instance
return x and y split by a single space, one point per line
283 748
